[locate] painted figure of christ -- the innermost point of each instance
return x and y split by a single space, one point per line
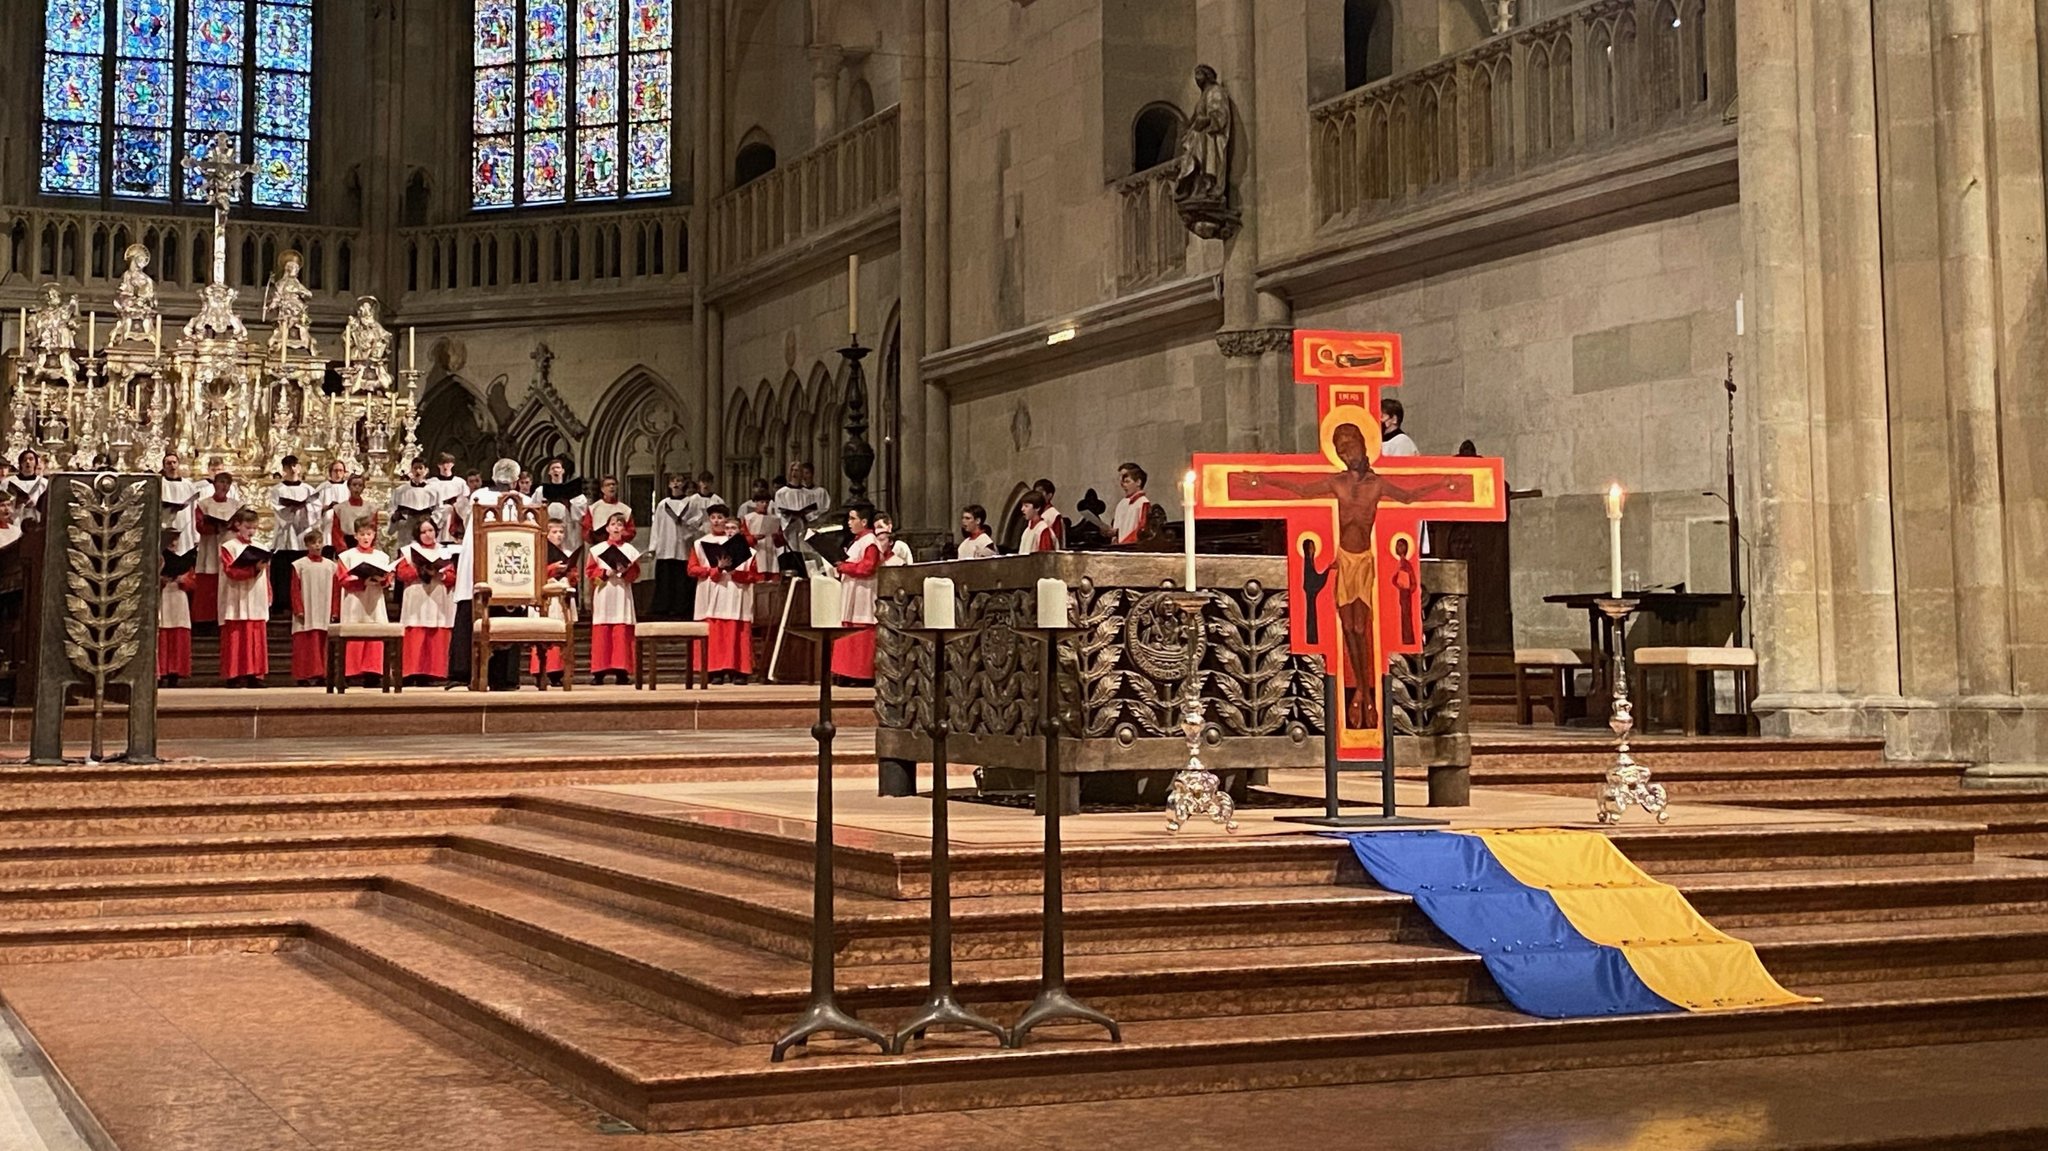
1358 491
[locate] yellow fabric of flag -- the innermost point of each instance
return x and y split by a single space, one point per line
1611 901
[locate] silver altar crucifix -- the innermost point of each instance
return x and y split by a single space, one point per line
220 176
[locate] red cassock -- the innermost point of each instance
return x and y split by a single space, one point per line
548 657
853 654
316 600
611 612
174 626
725 605
244 612
428 613
362 601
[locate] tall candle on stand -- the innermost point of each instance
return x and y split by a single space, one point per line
1052 603
853 294
1614 501
938 603
92 331
1187 503
24 334
412 349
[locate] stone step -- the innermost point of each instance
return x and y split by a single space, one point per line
147 936
1536 747
1720 778
216 852
131 817
186 893
661 1074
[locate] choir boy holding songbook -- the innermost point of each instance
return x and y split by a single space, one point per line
365 574
327 497
853 655
211 516
679 521
426 571
316 595
561 569
763 528
413 501
351 510
244 604
295 511
724 567
612 569
174 617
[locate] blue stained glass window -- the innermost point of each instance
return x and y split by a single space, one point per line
280 180
142 162
215 31
284 103
142 94
612 60
71 89
199 145
284 37
111 76
71 158
75 26
147 28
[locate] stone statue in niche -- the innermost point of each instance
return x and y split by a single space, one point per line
1201 185
1502 13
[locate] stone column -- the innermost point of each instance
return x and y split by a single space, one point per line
1969 307
704 435
1786 564
911 288
718 167
938 253
1250 413
825 63
383 173
1861 597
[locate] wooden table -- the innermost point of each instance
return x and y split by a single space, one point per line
1677 608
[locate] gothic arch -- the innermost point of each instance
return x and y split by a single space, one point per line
455 418
638 434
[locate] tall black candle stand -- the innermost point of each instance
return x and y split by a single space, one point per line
943 1007
1053 1002
824 1013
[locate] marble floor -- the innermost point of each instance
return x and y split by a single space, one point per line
302 1058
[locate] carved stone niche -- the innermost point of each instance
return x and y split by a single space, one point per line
1121 679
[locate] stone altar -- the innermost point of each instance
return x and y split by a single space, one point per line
1122 678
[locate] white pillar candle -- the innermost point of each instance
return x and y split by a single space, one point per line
92 331
1615 496
853 294
938 602
1738 315
1052 603
412 349
24 333
825 602
1187 503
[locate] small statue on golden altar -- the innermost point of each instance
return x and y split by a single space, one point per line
287 297
136 316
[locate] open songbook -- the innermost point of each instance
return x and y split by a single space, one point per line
617 557
213 525
246 555
171 505
428 564
285 501
178 563
367 565
556 555
732 552
830 545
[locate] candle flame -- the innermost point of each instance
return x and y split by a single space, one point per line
1615 498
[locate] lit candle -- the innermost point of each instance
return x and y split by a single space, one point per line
1052 603
938 602
825 604
1615 496
853 294
24 334
1187 503
412 349
156 336
92 331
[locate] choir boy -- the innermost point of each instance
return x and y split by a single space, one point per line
763 529
800 504
597 517
1129 521
561 495
331 494
1053 517
426 571
1039 533
26 486
678 523
244 604
413 501
295 512
211 516
853 655
365 574
561 569
316 597
723 564
895 553
975 542
348 513
448 488
174 617
178 494
613 567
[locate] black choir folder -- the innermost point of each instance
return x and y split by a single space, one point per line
372 566
733 553
427 566
613 557
252 556
178 563
830 545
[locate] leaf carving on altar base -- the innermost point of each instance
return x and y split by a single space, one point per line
1429 687
101 636
1251 651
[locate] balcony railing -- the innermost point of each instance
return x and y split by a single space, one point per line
1152 236
841 178
526 254
84 250
1598 77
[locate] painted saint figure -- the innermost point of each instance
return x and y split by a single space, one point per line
1358 491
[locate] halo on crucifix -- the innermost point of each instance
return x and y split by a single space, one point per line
1354 525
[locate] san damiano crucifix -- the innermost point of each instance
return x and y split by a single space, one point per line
1362 604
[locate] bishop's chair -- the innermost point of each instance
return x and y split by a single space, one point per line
508 539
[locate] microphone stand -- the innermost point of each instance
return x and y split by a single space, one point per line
1734 517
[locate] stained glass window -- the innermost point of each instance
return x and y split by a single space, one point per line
131 88
571 100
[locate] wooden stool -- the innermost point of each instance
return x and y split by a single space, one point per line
389 636
1696 667
696 638
1561 664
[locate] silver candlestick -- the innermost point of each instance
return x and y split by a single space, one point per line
1628 782
1196 790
